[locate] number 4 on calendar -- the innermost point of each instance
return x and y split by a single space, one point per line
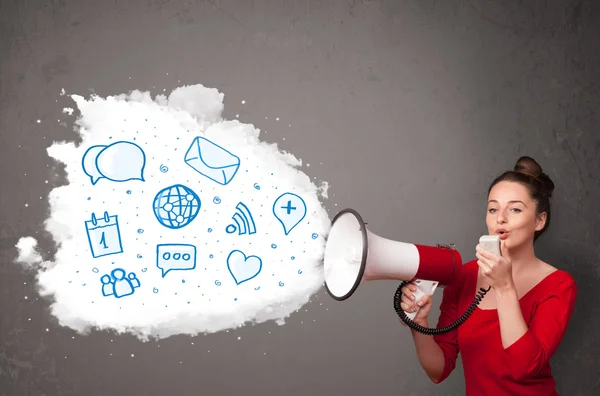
104 235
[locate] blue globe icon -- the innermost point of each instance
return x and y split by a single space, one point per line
176 206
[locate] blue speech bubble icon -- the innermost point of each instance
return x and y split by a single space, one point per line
89 163
119 162
175 256
289 209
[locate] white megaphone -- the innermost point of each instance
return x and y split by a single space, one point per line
354 255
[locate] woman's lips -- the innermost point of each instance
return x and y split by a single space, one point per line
503 235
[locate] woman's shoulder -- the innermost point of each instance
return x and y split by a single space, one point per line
554 282
553 277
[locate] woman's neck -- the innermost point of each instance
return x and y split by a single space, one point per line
523 259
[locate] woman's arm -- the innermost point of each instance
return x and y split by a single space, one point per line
429 353
512 324
438 354
536 345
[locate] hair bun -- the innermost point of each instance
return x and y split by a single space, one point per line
528 166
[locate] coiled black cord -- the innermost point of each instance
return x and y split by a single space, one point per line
427 330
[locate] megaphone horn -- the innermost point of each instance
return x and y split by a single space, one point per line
354 255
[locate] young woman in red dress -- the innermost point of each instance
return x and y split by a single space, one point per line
507 342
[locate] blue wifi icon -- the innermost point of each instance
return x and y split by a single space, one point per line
244 223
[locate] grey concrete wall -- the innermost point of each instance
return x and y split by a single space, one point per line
433 97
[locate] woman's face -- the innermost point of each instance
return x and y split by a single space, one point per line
511 214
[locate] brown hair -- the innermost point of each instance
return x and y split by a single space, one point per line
529 173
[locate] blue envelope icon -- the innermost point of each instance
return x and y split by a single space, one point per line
212 160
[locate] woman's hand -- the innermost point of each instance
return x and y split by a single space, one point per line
496 270
409 303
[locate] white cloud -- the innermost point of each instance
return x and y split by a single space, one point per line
27 253
196 298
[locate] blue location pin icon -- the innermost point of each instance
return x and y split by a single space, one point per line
289 209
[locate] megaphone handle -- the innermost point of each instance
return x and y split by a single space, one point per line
424 288
442 330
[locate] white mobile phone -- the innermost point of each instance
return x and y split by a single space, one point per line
491 243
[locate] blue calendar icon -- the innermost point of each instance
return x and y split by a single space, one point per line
104 235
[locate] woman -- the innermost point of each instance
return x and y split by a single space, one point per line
507 342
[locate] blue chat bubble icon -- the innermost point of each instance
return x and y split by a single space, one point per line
89 163
119 162
174 256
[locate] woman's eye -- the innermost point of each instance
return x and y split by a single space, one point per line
513 209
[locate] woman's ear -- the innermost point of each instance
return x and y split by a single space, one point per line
540 221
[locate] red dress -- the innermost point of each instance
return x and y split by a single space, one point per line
523 367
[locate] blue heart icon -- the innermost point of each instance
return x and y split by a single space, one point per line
242 267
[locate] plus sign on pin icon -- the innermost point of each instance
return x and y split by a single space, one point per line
289 209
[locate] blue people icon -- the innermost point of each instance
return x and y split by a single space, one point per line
121 286
107 285
135 282
118 285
